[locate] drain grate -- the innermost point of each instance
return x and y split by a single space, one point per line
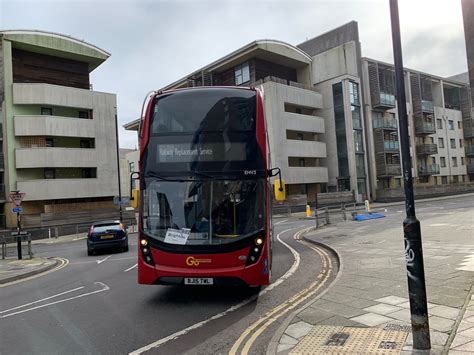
326 340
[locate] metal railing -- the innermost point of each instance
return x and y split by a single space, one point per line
469 149
391 145
385 122
427 106
425 128
429 169
426 149
387 99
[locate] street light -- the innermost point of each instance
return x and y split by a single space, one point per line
118 168
411 226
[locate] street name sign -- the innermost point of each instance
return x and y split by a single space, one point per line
17 209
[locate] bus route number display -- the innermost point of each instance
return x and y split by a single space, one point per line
177 236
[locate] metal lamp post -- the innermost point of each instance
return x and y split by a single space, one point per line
411 226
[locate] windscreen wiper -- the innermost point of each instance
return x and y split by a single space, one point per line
202 174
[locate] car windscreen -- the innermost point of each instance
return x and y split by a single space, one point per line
106 228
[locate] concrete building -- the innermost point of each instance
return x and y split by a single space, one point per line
332 119
468 15
437 108
59 143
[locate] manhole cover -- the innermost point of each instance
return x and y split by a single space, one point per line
351 340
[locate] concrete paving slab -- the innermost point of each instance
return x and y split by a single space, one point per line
393 300
468 333
441 324
460 340
445 312
466 347
298 330
403 315
284 347
383 309
286 339
314 315
371 319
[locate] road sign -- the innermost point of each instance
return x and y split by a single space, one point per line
17 209
16 197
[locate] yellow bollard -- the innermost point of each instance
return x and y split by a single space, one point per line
308 211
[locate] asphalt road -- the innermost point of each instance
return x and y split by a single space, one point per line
94 304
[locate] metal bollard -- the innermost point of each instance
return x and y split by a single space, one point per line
4 250
316 217
343 209
327 215
30 253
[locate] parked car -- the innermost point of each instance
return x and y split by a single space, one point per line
105 235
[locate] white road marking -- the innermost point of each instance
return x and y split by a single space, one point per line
173 336
280 222
43 299
438 224
467 264
101 261
104 288
130 268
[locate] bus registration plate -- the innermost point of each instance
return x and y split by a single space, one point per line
198 281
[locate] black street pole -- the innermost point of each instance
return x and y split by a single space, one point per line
411 226
18 236
118 168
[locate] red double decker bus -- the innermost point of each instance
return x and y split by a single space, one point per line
205 196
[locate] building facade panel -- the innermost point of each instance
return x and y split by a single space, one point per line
55 158
38 125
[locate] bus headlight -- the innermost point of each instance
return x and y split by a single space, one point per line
144 242
255 251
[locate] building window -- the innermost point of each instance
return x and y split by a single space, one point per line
398 182
49 142
392 158
85 143
442 162
460 143
435 180
301 162
358 142
455 179
242 73
131 166
89 173
455 161
444 180
462 160
300 136
49 174
459 124
452 142
451 125
48 111
439 122
441 142
84 114
354 93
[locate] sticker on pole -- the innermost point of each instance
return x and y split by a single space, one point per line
177 236
16 197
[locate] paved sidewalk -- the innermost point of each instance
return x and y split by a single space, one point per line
12 269
367 308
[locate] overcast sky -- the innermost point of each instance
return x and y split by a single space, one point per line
154 43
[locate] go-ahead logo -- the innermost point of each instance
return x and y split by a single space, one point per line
192 261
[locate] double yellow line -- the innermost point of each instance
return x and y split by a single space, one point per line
248 337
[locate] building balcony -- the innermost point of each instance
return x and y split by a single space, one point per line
303 123
469 149
470 168
468 131
56 95
2 161
427 106
426 149
385 123
385 100
391 145
51 189
429 169
55 158
384 170
41 125
305 149
305 175
424 128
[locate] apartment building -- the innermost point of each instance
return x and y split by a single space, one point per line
332 117
468 15
58 135
437 111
